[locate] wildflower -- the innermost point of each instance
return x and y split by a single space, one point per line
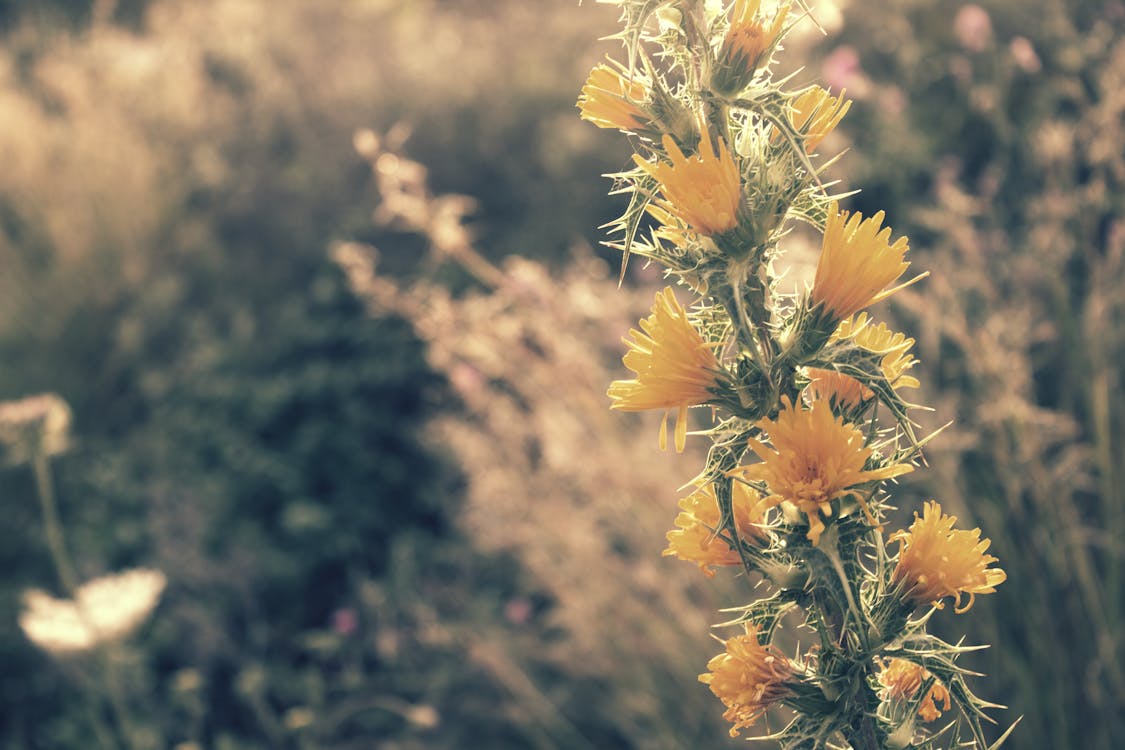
104 609
703 191
746 45
609 100
748 678
902 680
816 459
935 560
857 262
881 340
973 28
675 368
34 425
842 69
832 386
695 537
815 113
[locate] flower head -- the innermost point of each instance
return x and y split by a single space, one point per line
33 425
104 609
815 113
675 368
695 537
832 386
857 262
747 42
902 680
609 100
748 677
894 347
816 458
703 191
935 560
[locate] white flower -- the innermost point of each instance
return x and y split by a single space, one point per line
104 609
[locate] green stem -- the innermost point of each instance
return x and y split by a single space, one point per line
52 526
64 567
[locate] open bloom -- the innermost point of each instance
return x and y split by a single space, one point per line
815 113
748 677
609 100
857 262
675 368
879 339
704 191
935 560
695 537
104 609
747 43
902 680
816 458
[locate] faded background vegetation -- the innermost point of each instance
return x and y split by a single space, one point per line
392 507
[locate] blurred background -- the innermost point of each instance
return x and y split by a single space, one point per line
321 285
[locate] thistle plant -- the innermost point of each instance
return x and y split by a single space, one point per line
808 427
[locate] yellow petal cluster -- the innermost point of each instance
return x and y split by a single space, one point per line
857 263
609 100
674 367
748 678
816 458
815 113
836 387
695 537
879 339
902 680
746 43
935 560
703 191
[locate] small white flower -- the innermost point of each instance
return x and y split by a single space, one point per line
104 609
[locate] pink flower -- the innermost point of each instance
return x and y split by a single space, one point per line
517 610
973 28
1024 55
345 621
840 68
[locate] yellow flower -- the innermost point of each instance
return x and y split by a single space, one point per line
935 560
703 191
894 347
815 113
748 677
675 368
857 262
816 459
745 45
609 100
830 385
902 680
694 539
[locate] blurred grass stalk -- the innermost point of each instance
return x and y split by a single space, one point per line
528 353
1015 126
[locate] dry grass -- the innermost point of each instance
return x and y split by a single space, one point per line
581 495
